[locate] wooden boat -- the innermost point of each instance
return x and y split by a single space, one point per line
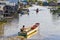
29 32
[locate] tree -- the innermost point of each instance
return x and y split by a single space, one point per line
40 2
49 1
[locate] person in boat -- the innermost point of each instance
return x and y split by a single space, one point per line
37 10
23 28
28 11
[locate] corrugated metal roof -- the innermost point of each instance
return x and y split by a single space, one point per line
58 1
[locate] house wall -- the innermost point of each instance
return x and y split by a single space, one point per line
1 7
58 1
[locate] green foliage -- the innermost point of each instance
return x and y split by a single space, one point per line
56 11
40 2
49 0
3 21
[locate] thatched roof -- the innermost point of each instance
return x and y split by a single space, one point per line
58 4
52 3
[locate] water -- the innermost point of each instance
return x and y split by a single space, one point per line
49 28
49 24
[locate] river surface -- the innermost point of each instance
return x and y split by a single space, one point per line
49 28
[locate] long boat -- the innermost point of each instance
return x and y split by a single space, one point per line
29 32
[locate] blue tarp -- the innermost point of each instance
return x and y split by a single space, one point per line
45 4
24 0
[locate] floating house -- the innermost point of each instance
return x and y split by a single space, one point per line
10 10
7 8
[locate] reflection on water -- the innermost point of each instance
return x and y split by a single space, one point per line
9 28
55 18
1 29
